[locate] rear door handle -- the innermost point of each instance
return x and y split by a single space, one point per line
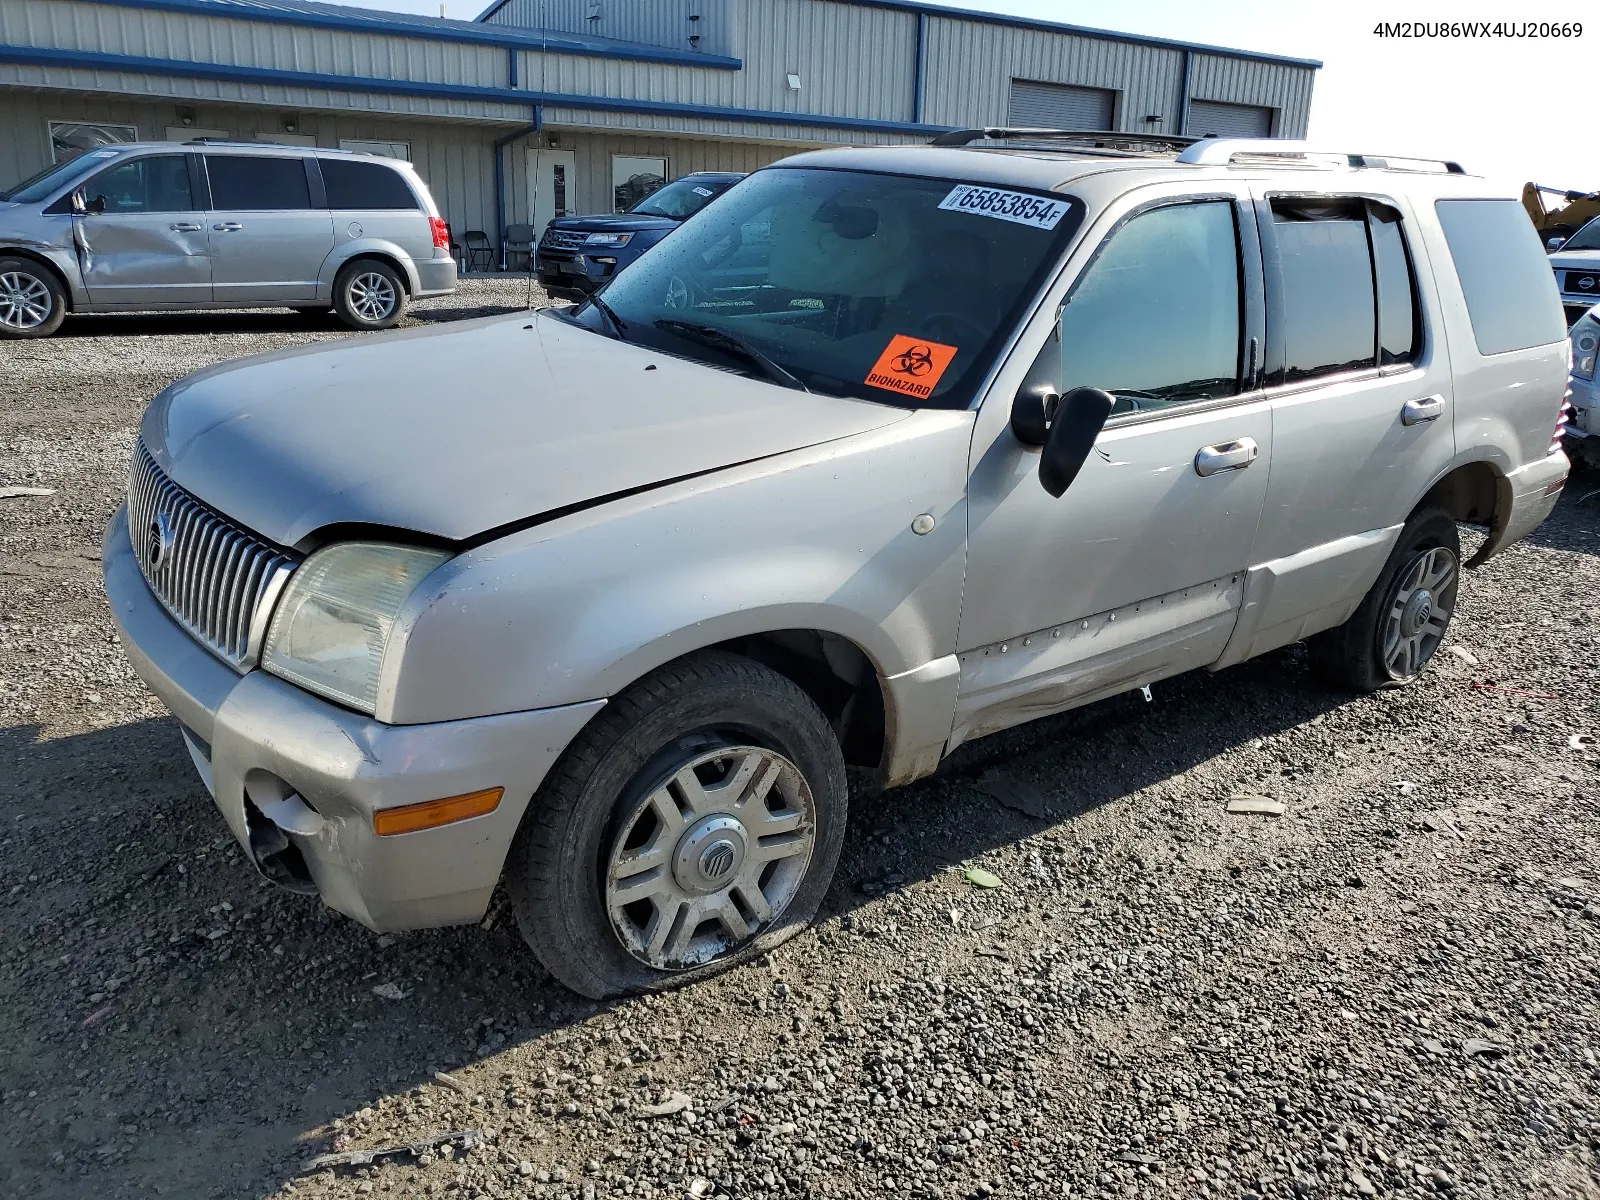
184 227
1415 412
1226 456
227 227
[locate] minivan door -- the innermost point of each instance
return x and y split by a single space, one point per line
1136 572
142 239
1361 396
268 240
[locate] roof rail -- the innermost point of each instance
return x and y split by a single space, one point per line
1098 138
1219 152
214 141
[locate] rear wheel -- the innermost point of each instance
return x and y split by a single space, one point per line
32 302
368 294
1402 621
693 825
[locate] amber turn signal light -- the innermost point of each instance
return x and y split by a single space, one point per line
432 813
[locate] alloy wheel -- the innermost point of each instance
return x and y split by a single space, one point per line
709 857
25 301
1418 612
372 296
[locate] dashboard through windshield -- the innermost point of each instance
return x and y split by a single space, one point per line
881 287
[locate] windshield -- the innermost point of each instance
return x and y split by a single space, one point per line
680 199
42 185
1587 238
881 287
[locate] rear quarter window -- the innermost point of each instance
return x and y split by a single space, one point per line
365 185
1505 278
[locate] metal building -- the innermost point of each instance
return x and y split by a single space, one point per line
543 107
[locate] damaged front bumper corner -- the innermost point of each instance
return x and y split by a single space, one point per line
298 780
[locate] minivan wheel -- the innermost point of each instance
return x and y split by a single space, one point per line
694 824
1402 621
369 295
32 303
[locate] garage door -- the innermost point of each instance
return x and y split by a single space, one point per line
1056 106
1228 120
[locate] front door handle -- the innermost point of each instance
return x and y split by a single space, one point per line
184 227
227 227
1415 412
1226 456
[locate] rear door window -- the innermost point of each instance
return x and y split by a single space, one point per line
243 183
157 184
1505 278
372 186
1156 319
1347 287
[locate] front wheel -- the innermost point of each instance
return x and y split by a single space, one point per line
1402 621
369 295
693 825
32 303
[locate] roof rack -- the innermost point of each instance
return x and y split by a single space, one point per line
1219 152
216 141
1098 139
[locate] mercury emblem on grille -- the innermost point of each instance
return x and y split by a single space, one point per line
160 540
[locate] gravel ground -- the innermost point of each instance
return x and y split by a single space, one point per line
1391 989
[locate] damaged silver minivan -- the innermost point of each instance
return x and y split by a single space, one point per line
884 450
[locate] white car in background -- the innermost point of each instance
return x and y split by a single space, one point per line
1576 263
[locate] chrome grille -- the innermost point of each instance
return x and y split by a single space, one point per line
562 239
216 580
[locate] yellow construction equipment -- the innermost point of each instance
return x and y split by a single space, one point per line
1565 219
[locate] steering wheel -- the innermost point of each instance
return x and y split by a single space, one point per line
952 328
679 294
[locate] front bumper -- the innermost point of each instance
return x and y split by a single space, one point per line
573 272
1585 401
264 746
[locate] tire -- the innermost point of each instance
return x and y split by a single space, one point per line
32 301
605 926
1392 636
368 294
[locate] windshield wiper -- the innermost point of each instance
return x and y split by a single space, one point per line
721 339
618 328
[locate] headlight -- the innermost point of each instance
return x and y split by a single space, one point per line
332 625
1584 343
607 239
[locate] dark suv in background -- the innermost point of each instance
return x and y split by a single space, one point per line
578 255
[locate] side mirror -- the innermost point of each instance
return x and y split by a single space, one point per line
84 208
1555 244
1079 417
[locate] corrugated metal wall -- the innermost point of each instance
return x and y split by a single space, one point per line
653 22
456 161
1282 86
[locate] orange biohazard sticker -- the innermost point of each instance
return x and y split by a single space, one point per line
911 366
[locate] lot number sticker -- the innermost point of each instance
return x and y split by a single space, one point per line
911 366
1020 207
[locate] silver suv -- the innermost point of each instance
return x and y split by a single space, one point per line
152 226
882 451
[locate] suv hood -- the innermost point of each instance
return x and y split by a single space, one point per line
457 429
613 223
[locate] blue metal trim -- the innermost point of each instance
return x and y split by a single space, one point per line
990 18
330 16
916 77
513 56
500 145
1183 95
42 57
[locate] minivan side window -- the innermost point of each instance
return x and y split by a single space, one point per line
241 183
1505 278
365 185
1156 318
158 184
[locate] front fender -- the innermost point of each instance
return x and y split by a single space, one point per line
587 604
366 247
64 258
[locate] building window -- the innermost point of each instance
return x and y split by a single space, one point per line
68 139
400 150
632 179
